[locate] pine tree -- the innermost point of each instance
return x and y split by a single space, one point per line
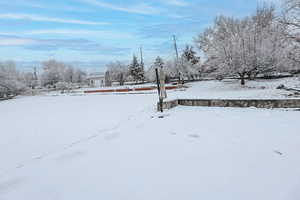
142 72
190 55
136 70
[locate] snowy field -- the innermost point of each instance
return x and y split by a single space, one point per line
116 147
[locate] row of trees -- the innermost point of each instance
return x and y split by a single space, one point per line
121 72
259 44
53 74
187 65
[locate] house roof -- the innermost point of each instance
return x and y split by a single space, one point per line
97 75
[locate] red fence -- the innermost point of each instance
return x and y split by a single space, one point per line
128 89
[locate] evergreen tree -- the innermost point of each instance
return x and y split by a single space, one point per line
142 69
136 70
142 72
190 55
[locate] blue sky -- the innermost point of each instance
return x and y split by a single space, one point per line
100 31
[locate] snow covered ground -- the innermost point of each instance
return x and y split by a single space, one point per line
226 89
117 147
231 89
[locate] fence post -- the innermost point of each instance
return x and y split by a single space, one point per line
159 92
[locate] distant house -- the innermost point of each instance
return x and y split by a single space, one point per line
96 79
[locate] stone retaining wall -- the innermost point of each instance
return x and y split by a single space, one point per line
241 103
168 105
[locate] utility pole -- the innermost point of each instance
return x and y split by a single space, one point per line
177 57
142 62
35 79
142 59
35 74
175 46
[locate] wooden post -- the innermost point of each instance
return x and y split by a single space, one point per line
158 89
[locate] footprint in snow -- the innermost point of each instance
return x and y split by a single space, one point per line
194 136
20 166
278 152
10 185
112 136
70 156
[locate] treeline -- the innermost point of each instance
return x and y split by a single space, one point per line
54 74
121 72
188 66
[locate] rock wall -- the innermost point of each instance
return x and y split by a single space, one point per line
241 103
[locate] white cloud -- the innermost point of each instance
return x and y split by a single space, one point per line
137 9
82 32
141 8
101 34
14 41
180 3
22 3
81 45
29 17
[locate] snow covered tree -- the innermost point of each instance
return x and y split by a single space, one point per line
190 63
244 47
69 74
30 79
190 55
169 69
79 76
291 15
291 20
118 71
10 78
53 72
136 71
159 63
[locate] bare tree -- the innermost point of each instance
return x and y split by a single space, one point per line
118 71
30 80
10 79
291 15
244 47
53 72
79 76
291 19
